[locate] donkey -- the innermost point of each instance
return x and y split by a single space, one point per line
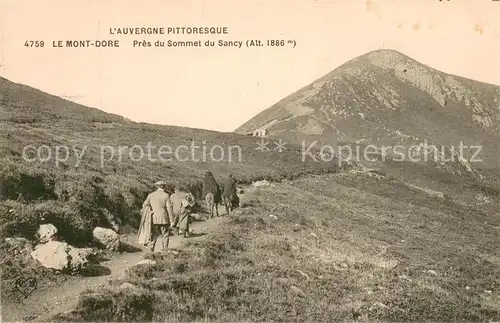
212 204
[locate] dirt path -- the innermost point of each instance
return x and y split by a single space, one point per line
48 301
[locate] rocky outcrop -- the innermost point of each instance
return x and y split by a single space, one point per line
106 238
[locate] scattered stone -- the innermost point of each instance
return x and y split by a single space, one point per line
488 291
483 199
467 288
391 264
303 273
314 234
273 216
432 272
107 238
46 233
298 291
368 291
377 305
261 183
148 262
19 245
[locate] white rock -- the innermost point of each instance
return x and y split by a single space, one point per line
146 262
261 183
46 233
107 238
53 254
61 256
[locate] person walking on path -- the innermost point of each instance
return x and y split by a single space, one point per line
157 217
211 193
229 196
182 203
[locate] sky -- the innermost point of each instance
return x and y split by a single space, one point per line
221 88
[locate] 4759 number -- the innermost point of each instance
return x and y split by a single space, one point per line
34 43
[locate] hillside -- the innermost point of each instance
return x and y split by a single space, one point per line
350 247
95 165
94 183
386 98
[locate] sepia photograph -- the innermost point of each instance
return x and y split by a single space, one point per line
250 161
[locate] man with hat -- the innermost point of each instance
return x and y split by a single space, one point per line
162 217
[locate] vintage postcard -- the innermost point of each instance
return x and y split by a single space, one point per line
255 161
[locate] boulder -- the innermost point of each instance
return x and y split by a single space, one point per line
53 254
46 233
61 256
106 238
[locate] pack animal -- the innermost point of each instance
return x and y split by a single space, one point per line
212 205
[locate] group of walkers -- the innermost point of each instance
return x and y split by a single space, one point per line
166 214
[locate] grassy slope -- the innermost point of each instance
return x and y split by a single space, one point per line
326 257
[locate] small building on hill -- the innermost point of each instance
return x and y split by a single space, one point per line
260 132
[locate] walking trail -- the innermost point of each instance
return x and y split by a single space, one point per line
45 302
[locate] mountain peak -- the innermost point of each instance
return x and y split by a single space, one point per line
388 58
385 53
